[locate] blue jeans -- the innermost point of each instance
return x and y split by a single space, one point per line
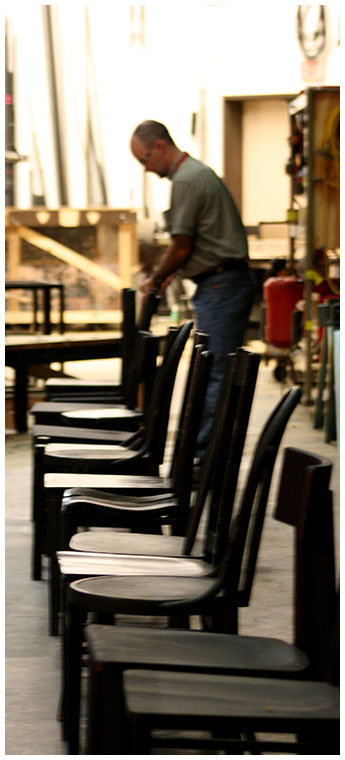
222 305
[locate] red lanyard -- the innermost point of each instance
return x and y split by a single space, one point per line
180 161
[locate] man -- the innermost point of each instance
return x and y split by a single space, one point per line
208 245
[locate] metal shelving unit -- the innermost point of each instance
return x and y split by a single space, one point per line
315 190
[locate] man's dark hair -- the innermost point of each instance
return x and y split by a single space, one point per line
150 131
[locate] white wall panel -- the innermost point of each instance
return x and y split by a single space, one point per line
193 55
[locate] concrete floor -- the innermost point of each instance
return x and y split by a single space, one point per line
33 658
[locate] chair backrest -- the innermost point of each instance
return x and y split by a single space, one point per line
177 461
128 331
305 502
186 437
239 561
149 307
224 452
130 327
159 408
332 665
143 367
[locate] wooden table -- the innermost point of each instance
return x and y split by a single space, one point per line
21 352
45 288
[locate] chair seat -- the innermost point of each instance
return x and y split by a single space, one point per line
62 434
87 451
63 480
139 594
193 651
54 407
76 382
111 412
90 563
114 542
279 704
58 412
159 486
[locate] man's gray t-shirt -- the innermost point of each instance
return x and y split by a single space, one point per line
202 208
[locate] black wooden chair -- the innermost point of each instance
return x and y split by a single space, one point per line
66 388
303 501
156 431
147 346
73 389
237 709
214 595
237 705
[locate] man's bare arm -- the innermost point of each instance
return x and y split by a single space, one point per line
176 256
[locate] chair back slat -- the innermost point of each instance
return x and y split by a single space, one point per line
130 328
236 425
200 343
239 563
128 332
144 361
159 408
148 371
226 443
187 436
305 502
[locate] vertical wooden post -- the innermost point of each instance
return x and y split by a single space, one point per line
13 258
127 253
14 251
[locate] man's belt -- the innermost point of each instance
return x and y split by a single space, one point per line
228 265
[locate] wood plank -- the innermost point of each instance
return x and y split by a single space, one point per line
70 257
127 252
68 217
73 316
14 251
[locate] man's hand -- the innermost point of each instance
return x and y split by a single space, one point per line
176 256
147 285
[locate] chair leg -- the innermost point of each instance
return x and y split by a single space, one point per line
53 527
107 725
61 711
104 618
181 621
325 742
38 513
223 619
75 618
36 562
139 737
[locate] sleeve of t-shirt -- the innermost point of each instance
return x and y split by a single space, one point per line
184 210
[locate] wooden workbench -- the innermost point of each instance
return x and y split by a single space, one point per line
30 225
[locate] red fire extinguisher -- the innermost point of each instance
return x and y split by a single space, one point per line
280 295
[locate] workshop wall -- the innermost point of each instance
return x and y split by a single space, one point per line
165 62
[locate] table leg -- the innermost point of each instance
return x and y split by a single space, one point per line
46 306
62 308
34 304
21 398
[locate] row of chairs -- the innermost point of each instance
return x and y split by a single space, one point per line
174 576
